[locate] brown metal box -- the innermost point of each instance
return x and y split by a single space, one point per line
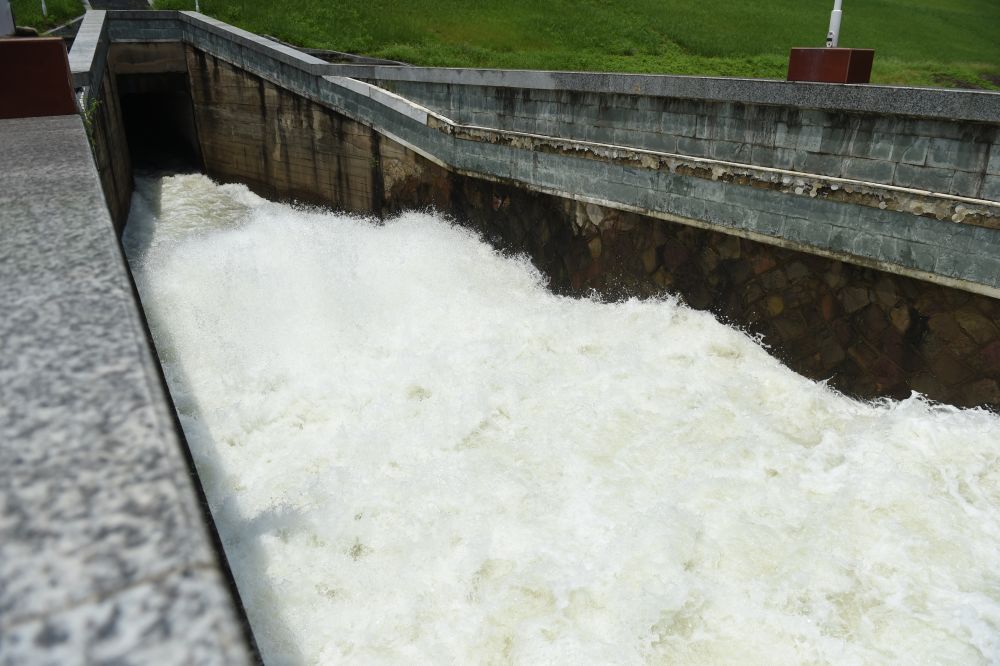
34 78
831 65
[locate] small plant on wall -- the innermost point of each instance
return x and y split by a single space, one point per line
88 111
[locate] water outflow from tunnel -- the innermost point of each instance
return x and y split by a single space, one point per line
416 454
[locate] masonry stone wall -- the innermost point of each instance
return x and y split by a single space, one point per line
940 155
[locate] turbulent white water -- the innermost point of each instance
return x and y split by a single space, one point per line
415 454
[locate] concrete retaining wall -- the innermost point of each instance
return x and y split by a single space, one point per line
892 146
283 146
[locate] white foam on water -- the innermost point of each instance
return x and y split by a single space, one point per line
416 454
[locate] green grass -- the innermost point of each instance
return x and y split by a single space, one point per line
919 42
29 12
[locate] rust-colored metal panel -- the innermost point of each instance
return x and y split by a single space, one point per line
831 65
35 78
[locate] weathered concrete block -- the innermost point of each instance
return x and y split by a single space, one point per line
655 198
993 166
732 151
909 149
806 232
768 223
756 199
779 158
648 120
726 215
642 178
991 187
923 178
692 146
664 143
785 136
841 240
877 171
984 269
684 124
948 263
825 165
809 138
966 184
881 146
957 154
685 206
733 129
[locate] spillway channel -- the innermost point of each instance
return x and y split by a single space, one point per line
415 453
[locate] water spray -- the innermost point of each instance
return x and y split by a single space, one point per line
833 35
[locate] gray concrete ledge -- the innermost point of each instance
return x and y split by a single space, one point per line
105 550
89 52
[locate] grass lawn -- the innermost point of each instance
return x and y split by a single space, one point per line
919 42
29 12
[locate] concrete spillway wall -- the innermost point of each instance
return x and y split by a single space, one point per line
918 139
854 228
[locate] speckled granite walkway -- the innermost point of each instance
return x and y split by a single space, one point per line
104 551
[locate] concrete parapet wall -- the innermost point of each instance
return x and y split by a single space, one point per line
106 551
947 155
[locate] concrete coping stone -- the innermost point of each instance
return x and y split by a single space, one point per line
85 54
277 50
106 548
385 98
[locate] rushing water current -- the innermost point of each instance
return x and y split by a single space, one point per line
416 454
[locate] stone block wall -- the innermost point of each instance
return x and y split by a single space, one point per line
940 155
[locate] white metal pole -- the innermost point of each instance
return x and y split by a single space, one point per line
833 36
197 6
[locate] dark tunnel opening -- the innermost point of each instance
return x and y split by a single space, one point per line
159 121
